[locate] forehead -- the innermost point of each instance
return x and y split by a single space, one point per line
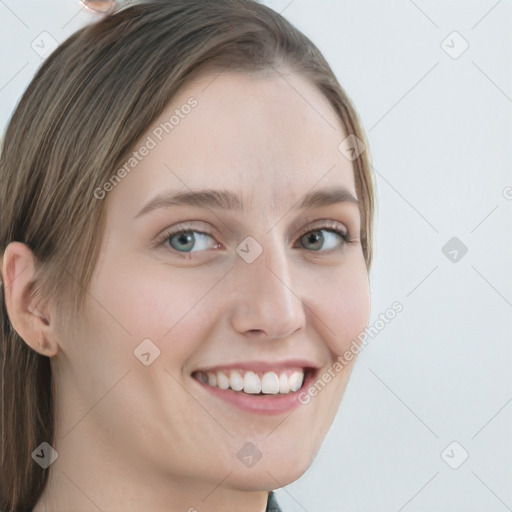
269 138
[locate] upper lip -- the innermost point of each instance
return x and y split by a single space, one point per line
261 366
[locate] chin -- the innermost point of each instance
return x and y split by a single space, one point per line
265 480
272 472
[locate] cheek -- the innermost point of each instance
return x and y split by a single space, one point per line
149 301
344 308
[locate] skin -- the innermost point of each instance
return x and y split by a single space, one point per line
135 437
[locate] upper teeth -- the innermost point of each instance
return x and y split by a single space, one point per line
270 383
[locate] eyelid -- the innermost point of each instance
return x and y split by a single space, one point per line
183 226
309 223
313 223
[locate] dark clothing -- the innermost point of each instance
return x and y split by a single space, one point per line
272 505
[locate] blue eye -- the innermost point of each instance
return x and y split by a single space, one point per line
186 240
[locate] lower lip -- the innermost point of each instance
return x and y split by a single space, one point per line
261 404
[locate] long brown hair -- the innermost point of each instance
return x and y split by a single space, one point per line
83 112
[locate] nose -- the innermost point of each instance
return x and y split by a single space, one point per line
267 302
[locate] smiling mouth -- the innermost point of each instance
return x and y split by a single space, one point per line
281 382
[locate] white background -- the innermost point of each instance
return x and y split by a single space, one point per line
440 135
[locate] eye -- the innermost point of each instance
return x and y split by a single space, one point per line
326 237
187 240
317 241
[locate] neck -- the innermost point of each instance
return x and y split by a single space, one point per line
90 477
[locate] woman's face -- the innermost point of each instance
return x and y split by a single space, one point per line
268 289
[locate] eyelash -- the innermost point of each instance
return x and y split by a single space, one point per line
326 225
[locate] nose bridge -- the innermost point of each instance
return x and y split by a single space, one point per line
268 301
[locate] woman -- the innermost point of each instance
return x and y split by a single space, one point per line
186 232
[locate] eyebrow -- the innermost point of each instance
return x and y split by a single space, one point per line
227 200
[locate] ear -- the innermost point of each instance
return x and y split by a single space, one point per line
34 326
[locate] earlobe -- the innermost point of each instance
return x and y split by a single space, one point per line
34 326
